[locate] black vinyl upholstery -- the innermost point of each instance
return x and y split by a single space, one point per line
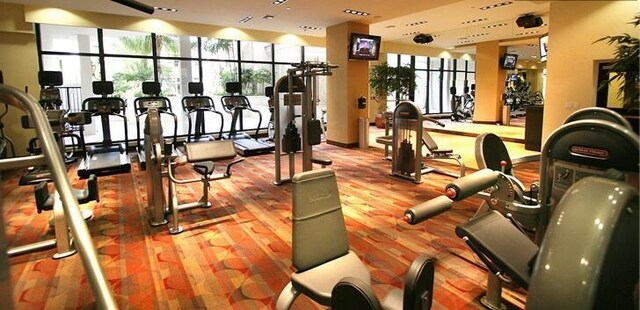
494 237
352 293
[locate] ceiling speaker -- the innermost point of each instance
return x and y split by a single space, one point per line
529 21
423 38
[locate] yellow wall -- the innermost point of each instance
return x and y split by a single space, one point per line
345 86
489 82
19 64
421 50
573 57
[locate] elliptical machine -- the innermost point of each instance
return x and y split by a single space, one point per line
461 106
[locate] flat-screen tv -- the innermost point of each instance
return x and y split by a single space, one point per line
509 61
364 46
544 43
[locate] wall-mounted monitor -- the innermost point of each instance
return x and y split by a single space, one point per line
364 46
508 61
544 43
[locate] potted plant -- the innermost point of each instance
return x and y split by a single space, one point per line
625 66
383 80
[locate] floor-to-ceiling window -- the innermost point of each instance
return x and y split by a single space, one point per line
434 78
129 58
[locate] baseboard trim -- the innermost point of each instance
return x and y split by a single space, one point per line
344 145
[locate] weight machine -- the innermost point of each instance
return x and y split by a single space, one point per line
300 88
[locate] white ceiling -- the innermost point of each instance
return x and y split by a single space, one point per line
390 19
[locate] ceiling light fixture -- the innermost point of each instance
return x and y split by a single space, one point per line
305 27
279 2
416 23
245 19
526 33
356 12
495 25
411 33
465 42
478 35
269 17
136 5
166 9
497 5
477 20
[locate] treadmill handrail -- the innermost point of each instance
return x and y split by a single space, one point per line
82 237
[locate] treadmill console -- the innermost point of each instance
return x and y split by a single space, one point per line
144 104
235 102
193 103
105 105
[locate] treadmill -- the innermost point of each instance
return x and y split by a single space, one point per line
141 106
195 106
236 104
106 158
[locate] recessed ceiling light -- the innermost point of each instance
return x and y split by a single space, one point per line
532 45
493 6
477 20
465 41
305 27
495 25
356 12
279 2
478 35
534 56
411 33
416 23
526 33
245 19
165 9
269 17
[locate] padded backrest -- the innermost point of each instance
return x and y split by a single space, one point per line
598 113
103 88
490 151
418 284
319 232
495 237
428 141
352 293
210 150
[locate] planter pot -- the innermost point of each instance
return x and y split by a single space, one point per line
380 121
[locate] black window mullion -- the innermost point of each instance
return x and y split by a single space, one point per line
103 72
200 70
239 62
154 55
39 46
441 84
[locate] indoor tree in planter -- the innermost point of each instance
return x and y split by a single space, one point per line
625 66
383 80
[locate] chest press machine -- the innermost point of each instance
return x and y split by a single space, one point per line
162 161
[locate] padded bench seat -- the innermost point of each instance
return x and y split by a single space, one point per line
385 140
322 160
492 236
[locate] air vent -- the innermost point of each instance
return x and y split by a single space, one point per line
356 12
269 17
497 5
245 19
416 23
475 35
390 26
477 20
279 2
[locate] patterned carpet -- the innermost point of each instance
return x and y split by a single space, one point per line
237 254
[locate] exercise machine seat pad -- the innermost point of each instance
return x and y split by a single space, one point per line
394 300
318 282
352 293
502 243
210 151
385 140
321 160
319 232
204 168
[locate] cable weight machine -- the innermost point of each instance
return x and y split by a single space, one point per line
300 88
